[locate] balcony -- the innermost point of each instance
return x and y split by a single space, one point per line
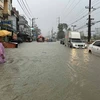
1 14
7 7
22 21
1 4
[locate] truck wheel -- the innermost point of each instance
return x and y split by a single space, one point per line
70 46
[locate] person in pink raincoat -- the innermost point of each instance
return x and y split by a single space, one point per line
2 52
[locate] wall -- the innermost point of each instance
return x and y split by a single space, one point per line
14 21
1 7
7 7
1 4
21 28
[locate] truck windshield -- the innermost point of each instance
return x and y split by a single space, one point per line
77 40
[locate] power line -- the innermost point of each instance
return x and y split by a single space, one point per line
96 22
65 7
80 13
70 6
84 16
26 7
22 8
95 1
81 27
79 19
73 8
86 25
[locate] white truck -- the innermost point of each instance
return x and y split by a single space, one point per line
73 40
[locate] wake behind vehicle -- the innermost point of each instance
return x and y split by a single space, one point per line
73 40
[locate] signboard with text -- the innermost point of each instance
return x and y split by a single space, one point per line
6 22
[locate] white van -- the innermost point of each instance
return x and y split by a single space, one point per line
73 40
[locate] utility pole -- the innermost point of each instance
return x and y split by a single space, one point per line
52 32
89 22
32 26
58 20
30 21
33 21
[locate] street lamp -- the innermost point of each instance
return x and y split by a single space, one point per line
30 21
33 21
73 27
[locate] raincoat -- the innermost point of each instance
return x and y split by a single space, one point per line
2 54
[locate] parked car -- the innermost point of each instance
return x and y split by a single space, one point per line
19 40
62 41
29 39
51 40
94 47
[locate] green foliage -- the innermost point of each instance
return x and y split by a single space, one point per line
61 33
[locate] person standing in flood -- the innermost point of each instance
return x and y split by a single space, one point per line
2 52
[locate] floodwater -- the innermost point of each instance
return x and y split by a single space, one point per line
49 71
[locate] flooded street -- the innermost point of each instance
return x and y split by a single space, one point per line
49 71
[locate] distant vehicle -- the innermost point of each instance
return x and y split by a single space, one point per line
49 40
62 41
18 40
73 40
29 39
94 47
40 39
53 40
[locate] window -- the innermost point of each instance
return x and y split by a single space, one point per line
77 40
97 43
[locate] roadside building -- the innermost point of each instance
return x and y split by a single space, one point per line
23 26
1 10
14 18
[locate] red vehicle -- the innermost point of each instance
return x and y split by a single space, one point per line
40 38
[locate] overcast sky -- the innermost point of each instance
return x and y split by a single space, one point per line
47 12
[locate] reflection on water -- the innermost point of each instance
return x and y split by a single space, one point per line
49 73
74 53
86 56
74 57
79 56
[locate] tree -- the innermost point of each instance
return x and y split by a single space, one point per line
69 29
94 36
65 26
61 33
60 27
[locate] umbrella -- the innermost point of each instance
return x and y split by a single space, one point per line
4 33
